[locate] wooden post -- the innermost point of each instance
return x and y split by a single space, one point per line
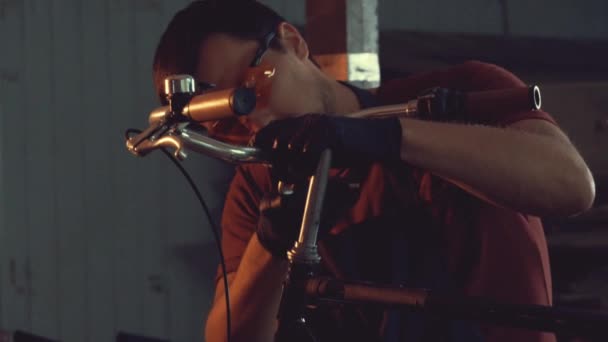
343 37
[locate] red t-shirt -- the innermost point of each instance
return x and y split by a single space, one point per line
487 251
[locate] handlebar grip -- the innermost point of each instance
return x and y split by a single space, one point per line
490 105
221 104
442 104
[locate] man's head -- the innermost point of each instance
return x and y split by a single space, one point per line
216 40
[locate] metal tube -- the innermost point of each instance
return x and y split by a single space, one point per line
305 249
231 153
409 109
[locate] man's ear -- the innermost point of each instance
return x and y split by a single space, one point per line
292 40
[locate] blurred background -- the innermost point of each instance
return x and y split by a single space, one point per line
95 242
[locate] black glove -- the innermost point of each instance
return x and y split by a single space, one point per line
295 144
279 222
281 215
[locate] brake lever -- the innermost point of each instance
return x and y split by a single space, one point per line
134 142
159 134
167 141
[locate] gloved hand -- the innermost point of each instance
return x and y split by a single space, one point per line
295 144
281 215
279 222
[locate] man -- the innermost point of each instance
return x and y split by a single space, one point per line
448 205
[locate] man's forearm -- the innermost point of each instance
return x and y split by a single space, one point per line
528 172
255 293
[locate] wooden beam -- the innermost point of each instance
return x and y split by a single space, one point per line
343 37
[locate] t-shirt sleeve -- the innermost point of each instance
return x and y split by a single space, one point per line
467 77
239 218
